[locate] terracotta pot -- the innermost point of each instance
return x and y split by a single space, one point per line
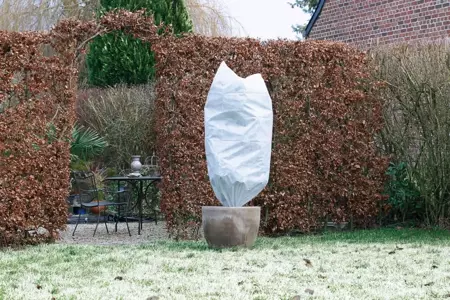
230 226
97 209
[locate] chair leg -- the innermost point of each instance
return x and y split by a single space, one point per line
78 221
126 217
106 225
116 219
117 216
96 226
127 211
128 228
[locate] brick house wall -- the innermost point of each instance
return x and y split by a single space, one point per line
372 22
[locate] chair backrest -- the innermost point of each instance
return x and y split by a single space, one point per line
151 166
85 185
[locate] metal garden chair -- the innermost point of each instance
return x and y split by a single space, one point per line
89 196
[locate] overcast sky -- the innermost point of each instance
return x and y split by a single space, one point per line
266 19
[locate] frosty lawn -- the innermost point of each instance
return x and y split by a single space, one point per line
376 264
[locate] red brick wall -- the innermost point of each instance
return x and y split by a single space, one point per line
369 22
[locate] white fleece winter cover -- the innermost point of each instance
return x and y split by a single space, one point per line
238 136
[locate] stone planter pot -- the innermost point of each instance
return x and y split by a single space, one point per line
230 226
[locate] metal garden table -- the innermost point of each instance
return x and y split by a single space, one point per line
134 181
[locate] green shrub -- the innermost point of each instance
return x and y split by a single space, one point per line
120 58
404 198
117 57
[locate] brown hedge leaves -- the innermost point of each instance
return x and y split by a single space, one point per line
35 124
324 161
38 78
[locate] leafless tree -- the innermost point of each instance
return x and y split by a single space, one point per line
210 17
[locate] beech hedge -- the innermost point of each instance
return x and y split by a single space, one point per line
325 164
327 111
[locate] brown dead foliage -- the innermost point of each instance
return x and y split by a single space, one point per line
326 113
324 160
36 103
38 75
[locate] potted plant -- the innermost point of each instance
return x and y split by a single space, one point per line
238 141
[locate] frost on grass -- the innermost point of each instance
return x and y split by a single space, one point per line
329 270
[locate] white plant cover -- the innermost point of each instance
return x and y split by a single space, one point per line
238 136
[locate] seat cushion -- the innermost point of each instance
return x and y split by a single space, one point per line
101 203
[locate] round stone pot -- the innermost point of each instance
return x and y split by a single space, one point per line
230 226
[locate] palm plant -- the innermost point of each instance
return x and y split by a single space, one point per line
86 143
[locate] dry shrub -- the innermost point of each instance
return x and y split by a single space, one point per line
417 117
124 117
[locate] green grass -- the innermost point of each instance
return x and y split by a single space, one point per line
371 264
379 236
386 235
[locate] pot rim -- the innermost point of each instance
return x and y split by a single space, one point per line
231 207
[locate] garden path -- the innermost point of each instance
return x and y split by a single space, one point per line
83 235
